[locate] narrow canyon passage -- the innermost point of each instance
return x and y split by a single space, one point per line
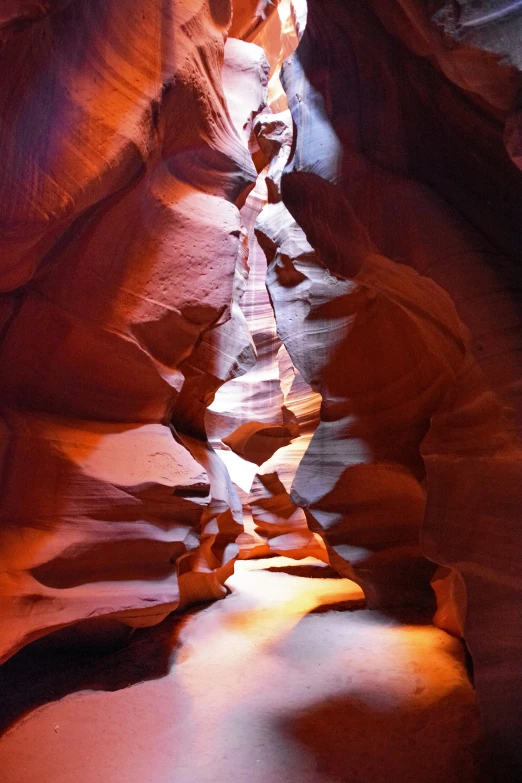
260 414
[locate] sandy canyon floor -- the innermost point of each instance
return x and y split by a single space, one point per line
287 680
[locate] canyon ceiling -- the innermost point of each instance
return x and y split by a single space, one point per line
260 294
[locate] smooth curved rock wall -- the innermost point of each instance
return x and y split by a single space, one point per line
391 156
121 250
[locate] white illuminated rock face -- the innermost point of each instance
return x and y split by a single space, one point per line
272 399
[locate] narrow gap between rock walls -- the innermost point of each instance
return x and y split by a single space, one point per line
261 422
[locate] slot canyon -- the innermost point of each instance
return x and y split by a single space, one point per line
261 391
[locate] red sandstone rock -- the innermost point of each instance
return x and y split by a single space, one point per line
249 15
136 323
16 15
379 128
122 248
257 442
97 518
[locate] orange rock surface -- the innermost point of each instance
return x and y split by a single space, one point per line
259 295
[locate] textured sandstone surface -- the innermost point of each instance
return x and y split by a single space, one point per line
260 295
127 252
360 181
121 249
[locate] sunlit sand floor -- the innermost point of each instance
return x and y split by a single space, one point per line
286 679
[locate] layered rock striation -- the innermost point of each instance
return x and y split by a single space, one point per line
388 175
122 256
170 403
